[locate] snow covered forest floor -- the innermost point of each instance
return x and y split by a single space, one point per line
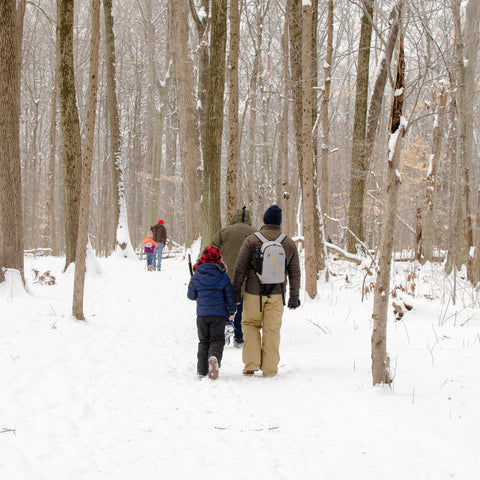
117 396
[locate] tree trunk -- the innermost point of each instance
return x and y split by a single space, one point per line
380 360
471 53
376 100
307 156
233 146
11 212
189 135
358 169
70 127
294 15
120 219
203 30
213 140
327 72
81 253
438 131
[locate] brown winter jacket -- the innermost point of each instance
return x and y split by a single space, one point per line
230 239
159 233
245 265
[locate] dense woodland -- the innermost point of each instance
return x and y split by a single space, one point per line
355 116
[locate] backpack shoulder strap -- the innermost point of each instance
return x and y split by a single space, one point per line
281 238
260 237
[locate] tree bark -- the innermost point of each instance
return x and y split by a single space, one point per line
189 134
358 168
11 212
327 73
380 360
70 127
233 146
120 218
213 139
307 156
81 253
438 131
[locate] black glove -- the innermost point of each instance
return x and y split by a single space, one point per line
293 302
237 297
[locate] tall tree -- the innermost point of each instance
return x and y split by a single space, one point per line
11 213
187 119
81 253
233 144
307 154
380 360
358 170
327 70
120 219
213 138
70 126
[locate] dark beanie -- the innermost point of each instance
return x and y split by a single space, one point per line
272 215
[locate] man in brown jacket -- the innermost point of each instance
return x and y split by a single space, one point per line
229 240
160 236
261 326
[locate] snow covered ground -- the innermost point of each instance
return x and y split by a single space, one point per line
117 397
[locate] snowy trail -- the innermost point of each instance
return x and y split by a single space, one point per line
117 397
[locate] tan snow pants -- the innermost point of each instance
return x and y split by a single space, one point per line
261 333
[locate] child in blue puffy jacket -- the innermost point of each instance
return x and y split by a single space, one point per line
211 288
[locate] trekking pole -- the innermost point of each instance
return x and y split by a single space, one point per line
190 264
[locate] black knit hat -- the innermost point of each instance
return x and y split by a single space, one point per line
272 215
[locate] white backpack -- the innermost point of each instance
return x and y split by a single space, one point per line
271 260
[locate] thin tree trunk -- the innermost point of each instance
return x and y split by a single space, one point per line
213 140
380 359
120 219
294 15
327 72
438 131
358 169
11 212
70 127
81 254
307 156
189 134
233 146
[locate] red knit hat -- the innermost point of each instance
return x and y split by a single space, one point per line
210 254
161 221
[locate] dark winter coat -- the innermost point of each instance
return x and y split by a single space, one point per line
245 265
230 239
159 233
211 288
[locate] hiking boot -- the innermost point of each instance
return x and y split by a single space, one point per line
249 372
213 368
238 343
228 334
150 268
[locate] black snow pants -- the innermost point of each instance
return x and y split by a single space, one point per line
211 340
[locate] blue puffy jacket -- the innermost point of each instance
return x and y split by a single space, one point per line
211 288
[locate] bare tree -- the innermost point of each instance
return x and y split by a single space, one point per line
307 155
80 257
120 220
233 146
358 171
70 127
380 359
11 214
188 121
213 136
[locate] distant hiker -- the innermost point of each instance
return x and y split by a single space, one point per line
149 248
211 288
264 302
160 236
229 240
